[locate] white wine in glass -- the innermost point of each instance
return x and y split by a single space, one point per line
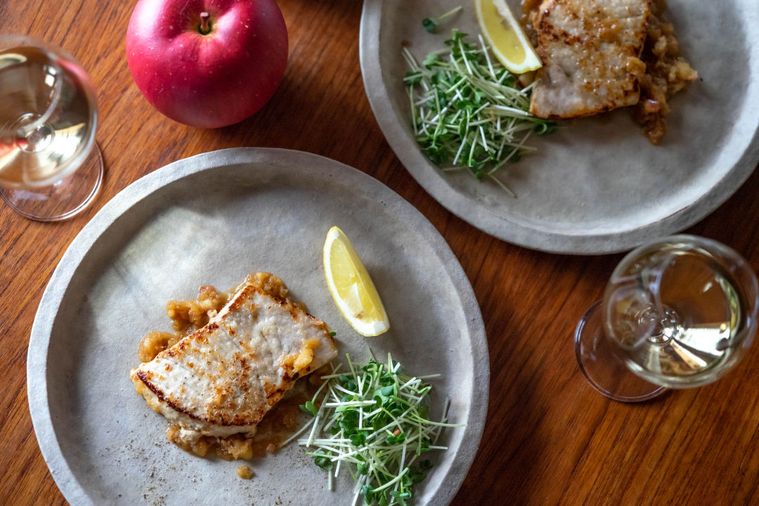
50 166
677 313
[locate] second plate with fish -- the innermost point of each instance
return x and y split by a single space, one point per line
596 185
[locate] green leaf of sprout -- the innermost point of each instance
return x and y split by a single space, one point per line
309 407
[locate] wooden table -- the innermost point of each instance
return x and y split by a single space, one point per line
550 438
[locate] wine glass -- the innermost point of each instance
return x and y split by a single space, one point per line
50 166
678 312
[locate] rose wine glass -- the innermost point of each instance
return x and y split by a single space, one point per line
678 312
50 165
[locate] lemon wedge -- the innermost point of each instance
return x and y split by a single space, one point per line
502 31
351 287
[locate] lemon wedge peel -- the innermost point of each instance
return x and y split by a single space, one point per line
505 37
351 287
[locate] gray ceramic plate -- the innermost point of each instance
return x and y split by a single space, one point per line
596 186
213 218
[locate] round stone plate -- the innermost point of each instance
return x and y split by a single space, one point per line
211 219
596 185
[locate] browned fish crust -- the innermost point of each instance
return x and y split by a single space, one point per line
590 52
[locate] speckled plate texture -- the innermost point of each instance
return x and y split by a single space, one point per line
212 219
597 185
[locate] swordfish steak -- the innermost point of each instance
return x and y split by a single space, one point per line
224 377
590 52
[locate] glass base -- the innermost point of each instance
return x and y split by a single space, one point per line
601 365
64 199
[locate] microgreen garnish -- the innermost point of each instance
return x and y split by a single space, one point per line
372 419
432 24
467 110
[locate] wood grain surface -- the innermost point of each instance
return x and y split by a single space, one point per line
549 437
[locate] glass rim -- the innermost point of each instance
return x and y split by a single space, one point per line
749 289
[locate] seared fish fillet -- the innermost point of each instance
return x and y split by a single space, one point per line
590 51
223 378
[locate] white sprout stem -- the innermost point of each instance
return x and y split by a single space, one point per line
391 482
502 185
357 491
487 56
296 434
413 111
312 434
450 13
335 374
482 137
345 390
410 382
327 441
410 59
351 404
513 152
337 468
510 111
463 56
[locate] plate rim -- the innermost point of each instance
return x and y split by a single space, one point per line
499 226
55 291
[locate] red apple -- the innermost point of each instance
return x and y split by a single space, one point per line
207 63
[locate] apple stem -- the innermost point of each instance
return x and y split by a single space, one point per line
205 26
